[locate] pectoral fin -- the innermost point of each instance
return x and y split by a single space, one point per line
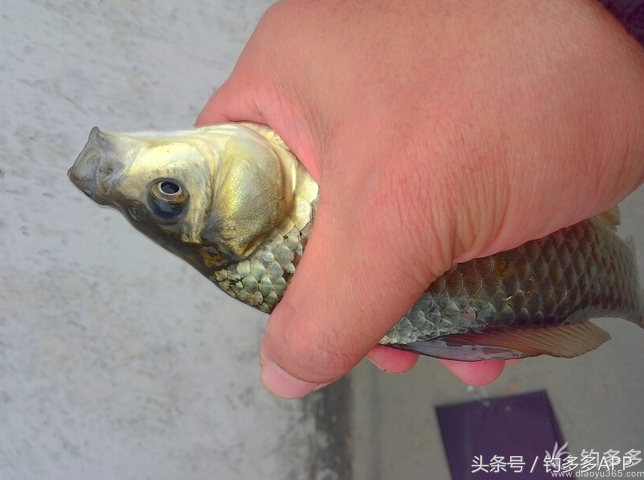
568 341
611 218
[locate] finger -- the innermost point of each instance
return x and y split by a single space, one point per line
391 360
475 373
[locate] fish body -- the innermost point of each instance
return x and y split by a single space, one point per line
235 203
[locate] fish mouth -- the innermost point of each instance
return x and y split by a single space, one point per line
92 167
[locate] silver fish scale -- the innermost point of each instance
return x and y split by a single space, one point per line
261 279
578 272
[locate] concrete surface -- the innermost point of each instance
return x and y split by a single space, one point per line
114 361
119 361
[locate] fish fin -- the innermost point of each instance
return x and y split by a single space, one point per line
569 340
611 218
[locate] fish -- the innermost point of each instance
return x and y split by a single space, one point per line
234 202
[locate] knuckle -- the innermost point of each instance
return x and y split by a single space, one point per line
310 349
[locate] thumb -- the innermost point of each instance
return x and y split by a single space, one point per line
230 103
296 328
343 298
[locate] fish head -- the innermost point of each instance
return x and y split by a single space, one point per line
209 195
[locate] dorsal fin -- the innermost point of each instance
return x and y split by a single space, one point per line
611 218
569 340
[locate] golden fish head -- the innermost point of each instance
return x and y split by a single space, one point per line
221 188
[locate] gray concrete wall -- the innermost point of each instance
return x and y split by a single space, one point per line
115 358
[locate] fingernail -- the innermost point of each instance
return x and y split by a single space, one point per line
280 383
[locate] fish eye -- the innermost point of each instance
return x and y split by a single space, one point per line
167 199
168 189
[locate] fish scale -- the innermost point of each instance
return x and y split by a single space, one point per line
234 202
261 280
564 277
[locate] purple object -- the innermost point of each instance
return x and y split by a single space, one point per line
629 13
500 438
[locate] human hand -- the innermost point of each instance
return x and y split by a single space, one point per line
438 131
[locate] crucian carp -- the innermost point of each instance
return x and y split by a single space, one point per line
234 202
